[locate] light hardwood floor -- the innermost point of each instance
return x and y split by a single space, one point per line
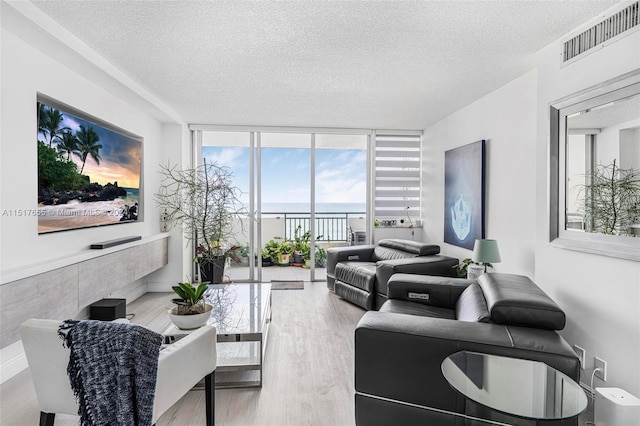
308 371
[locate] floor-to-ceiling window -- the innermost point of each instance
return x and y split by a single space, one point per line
305 190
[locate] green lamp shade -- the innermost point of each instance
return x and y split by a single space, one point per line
486 251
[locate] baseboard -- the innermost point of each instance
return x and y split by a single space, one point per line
13 362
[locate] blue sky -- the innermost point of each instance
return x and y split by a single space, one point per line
340 173
120 155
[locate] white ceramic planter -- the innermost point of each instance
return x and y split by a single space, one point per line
190 322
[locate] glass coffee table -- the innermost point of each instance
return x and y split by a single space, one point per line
515 387
241 315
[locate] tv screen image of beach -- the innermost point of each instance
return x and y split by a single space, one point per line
88 173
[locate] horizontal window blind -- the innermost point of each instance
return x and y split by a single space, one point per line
397 175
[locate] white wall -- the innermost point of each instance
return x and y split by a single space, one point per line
506 120
32 62
600 295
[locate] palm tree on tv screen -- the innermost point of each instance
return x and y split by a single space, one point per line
88 146
50 123
68 144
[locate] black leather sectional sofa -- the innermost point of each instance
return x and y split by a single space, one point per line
359 274
399 350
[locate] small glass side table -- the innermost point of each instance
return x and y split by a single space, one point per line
515 387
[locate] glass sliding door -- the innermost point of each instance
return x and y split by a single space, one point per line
340 194
303 193
285 202
233 150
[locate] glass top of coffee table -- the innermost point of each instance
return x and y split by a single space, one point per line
518 387
237 308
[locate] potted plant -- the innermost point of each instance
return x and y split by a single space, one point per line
321 257
266 257
204 201
306 256
284 254
190 311
300 243
461 268
271 251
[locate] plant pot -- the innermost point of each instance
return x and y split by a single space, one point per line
212 270
266 263
190 322
283 259
307 263
297 258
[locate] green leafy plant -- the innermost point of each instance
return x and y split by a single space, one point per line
300 242
321 257
302 246
271 250
190 299
286 247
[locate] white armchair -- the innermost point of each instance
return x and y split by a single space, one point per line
181 366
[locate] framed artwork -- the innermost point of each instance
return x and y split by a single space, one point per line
464 176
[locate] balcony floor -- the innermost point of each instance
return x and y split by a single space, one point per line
240 273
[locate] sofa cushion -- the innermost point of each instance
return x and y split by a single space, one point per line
358 274
516 300
410 308
471 305
388 253
412 247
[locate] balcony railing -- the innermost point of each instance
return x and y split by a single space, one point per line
330 226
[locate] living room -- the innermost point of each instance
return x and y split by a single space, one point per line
599 294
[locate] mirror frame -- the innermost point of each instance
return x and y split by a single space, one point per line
623 247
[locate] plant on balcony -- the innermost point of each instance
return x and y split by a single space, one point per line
204 201
285 251
271 250
321 257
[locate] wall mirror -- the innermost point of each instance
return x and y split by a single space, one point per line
595 169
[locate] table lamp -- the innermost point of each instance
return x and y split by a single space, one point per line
485 252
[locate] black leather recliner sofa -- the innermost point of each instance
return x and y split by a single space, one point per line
399 350
359 274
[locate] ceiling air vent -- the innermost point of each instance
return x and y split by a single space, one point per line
613 26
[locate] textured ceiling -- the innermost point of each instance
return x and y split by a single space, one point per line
382 64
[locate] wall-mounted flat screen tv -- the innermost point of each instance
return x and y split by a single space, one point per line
89 171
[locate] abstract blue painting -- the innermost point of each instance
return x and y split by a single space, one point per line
464 176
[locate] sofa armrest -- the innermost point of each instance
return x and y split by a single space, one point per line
427 290
399 356
341 254
423 265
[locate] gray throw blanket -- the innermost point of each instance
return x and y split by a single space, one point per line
112 369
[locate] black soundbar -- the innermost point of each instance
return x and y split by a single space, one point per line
116 242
